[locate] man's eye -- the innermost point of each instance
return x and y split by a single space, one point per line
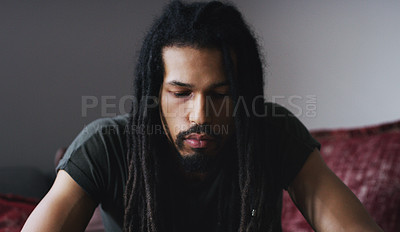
181 94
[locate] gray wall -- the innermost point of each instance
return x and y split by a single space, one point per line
346 54
52 53
333 63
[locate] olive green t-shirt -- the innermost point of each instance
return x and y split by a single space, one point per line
96 160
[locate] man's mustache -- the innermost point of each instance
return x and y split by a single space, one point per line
208 130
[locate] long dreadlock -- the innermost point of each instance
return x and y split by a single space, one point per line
201 25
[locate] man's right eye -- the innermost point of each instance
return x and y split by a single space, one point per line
181 94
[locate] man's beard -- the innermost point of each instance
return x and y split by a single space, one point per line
198 161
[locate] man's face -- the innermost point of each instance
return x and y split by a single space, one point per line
196 104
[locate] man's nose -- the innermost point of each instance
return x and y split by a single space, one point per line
199 113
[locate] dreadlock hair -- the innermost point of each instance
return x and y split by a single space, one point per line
201 25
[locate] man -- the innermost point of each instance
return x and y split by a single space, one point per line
200 150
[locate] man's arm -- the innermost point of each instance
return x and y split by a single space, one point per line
66 207
326 202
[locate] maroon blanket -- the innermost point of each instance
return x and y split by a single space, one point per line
367 160
14 210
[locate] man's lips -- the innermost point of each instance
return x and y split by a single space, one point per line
199 141
199 137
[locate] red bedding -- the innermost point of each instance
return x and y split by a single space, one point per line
367 160
14 210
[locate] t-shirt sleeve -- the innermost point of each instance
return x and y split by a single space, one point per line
93 154
294 142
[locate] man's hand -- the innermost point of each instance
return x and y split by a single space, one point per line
66 207
326 202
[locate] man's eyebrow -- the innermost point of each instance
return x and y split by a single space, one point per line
181 84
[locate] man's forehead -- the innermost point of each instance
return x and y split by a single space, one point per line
193 68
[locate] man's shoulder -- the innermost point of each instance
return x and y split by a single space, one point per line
117 124
284 125
119 120
274 110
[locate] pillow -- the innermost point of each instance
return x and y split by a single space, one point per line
367 160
